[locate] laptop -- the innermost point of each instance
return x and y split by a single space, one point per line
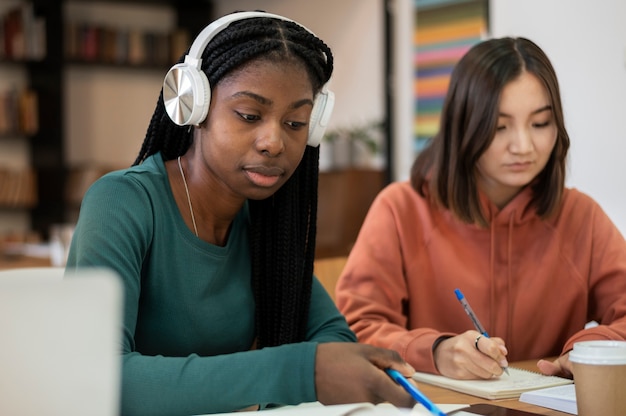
60 344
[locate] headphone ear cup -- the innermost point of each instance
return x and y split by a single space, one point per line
186 94
320 115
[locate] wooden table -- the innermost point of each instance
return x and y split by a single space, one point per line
15 262
441 395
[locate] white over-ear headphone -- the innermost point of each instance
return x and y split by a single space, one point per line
187 94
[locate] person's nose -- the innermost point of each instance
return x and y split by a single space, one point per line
270 140
521 141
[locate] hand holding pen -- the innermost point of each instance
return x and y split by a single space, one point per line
477 325
414 392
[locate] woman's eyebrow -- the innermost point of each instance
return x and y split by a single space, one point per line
266 101
537 111
256 97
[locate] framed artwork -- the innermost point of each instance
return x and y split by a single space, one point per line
444 31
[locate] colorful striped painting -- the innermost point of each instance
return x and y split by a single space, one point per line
444 31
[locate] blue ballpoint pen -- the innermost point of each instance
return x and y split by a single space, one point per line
472 316
414 392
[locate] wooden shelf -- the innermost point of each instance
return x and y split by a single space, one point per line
47 77
23 261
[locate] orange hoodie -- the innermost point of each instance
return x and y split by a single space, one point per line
533 282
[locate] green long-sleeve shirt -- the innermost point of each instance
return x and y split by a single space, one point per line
189 309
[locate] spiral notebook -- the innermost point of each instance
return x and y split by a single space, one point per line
503 387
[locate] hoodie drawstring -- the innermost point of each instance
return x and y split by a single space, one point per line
509 284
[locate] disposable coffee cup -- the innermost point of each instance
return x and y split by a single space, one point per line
600 377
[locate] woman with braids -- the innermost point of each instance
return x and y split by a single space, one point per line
212 231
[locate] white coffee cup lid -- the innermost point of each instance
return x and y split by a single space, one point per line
600 352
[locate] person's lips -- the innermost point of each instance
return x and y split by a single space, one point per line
264 176
519 166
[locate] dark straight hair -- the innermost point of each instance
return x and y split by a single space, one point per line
445 171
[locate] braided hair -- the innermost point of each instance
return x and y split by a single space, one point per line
283 226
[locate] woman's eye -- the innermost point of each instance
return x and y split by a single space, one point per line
500 128
248 117
296 124
544 124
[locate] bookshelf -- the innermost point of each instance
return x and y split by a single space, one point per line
345 194
18 108
52 43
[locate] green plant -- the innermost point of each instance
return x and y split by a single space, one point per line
368 134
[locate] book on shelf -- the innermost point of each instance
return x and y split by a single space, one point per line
19 112
23 33
179 41
504 387
18 188
561 398
28 112
93 43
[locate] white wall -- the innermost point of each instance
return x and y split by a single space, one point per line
586 42
402 15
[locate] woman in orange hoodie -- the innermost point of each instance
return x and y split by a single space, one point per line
486 211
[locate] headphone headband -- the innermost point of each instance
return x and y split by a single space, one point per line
209 32
186 90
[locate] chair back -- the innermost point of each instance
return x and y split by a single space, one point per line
328 270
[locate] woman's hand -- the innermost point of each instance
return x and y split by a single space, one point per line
471 356
562 367
353 373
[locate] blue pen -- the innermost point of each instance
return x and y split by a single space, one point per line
470 313
414 392
472 316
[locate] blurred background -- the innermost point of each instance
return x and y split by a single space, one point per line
79 80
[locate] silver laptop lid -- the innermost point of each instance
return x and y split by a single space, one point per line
60 344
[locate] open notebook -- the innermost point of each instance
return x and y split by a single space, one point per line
354 409
60 343
503 387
